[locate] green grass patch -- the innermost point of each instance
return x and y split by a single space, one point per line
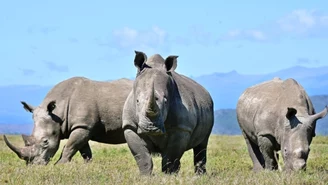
228 163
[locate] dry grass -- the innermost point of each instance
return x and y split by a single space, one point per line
228 163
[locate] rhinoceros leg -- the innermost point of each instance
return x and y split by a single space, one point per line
255 154
86 153
76 141
267 149
200 157
177 144
140 152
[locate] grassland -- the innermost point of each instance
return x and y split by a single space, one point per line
228 163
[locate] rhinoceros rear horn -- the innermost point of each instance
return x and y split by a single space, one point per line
21 152
28 140
319 115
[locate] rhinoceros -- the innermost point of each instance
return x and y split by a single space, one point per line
166 113
77 109
277 115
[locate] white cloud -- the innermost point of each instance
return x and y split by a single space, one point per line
200 35
154 39
256 35
128 38
122 42
197 34
28 72
56 67
298 23
305 61
157 39
125 36
304 23
324 20
234 33
43 29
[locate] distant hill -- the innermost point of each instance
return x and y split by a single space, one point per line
225 89
225 122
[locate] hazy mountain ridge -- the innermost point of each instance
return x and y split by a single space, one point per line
225 89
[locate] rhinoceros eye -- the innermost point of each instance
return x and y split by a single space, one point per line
285 151
45 142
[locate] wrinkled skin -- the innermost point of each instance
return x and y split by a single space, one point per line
77 109
277 115
166 113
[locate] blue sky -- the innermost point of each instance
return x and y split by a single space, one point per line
45 42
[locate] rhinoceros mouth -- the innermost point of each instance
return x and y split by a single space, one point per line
150 130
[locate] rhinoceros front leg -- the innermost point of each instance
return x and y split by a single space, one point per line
267 149
77 140
86 153
140 152
176 146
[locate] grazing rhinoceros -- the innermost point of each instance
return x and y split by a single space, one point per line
78 109
277 115
166 113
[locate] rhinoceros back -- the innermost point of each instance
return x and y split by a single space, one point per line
262 107
96 105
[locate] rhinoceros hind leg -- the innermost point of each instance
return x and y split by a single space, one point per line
200 157
140 152
86 153
177 144
76 141
255 154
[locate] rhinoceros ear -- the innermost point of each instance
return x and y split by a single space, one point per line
171 62
139 60
51 106
27 107
291 112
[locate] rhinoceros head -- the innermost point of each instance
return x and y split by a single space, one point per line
45 138
298 135
152 91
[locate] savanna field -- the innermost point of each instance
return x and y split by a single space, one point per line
228 163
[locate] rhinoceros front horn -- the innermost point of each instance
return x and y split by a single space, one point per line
153 109
21 152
